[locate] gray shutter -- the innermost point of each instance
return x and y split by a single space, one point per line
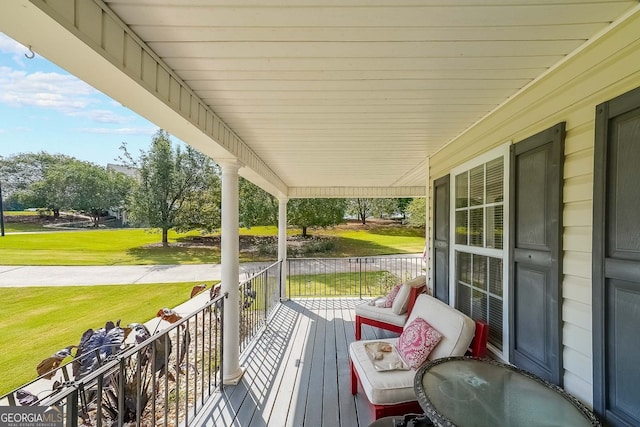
441 238
616 260
536 252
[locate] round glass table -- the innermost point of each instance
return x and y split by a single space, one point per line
469 392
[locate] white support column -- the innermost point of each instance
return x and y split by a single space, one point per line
229 256
282 245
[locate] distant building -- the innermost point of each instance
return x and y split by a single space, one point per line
132 172
120 213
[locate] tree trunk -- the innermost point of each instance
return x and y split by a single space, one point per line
304 231
165 240
56 213
363 218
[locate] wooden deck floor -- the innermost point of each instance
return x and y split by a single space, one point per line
297 374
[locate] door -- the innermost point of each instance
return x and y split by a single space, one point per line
441 238
616 261
536 257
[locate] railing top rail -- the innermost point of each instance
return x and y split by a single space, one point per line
395 256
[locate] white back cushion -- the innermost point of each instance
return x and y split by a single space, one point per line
401 303
457 329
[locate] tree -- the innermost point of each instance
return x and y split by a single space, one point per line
378 207
201 209
306 213
19 172
417 212
93 189
171 180
384 208
78 185
360 208
403 204
257 207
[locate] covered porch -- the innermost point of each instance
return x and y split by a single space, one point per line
469 104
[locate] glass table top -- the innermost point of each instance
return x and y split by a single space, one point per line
466 392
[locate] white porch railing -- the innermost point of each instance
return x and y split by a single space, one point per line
362 277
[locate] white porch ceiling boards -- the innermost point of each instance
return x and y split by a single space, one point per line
343 97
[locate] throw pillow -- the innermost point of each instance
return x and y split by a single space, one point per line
391 296
417 341
401 303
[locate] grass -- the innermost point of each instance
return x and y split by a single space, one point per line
100 247
21 213
385 240
140 247
55 317
375 283
13 227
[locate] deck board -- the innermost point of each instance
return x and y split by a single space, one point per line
330 404
297 373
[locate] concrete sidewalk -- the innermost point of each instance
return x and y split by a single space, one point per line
22 276
13 276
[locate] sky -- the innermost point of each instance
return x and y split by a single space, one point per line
44 108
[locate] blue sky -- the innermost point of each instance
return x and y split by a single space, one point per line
44 108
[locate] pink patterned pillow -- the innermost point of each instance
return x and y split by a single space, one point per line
393 293
417 341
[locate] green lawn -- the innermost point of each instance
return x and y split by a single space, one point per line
385 240
141 247
21 213
55 317
375 283
99 247
13 227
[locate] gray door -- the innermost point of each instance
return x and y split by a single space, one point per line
441 238
616 261
536 255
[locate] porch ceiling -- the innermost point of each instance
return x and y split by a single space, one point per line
336 96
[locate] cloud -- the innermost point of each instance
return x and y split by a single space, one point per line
64 93
55 91
119 131
102 116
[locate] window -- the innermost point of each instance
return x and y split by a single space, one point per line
478 253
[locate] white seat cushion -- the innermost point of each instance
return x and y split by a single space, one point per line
381 314
381 388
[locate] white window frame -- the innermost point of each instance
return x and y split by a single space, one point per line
504 152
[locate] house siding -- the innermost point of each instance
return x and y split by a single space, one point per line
604 69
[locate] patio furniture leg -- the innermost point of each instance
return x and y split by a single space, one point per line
479 343
354 379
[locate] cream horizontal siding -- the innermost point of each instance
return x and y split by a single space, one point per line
577 289
603 70
578 387
578 213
